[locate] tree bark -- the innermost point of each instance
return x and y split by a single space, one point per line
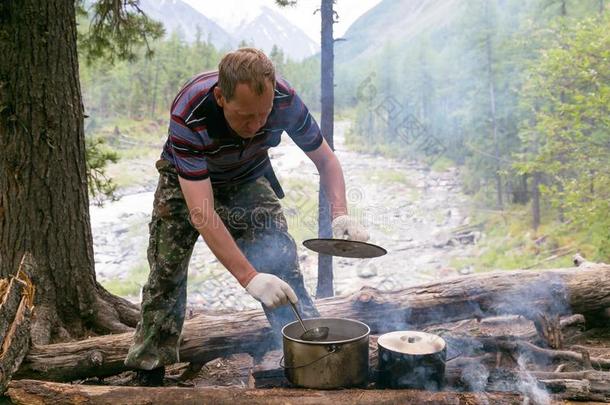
44 205
325 262
30 391
562 291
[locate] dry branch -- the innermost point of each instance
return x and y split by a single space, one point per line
15 310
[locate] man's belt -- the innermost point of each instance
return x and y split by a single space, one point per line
273 181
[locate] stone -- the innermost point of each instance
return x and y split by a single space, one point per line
367 271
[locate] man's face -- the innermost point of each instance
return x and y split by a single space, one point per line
247 111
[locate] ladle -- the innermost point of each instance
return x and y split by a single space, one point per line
314 334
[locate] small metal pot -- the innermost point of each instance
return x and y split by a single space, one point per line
339 361
410 359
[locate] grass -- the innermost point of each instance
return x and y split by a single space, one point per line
442 164
390 177
131 284
510 242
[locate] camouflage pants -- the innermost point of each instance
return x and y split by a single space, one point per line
253 215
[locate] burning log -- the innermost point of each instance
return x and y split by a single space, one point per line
579 386
558 292
31 391
17 296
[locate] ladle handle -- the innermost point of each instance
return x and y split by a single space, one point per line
296 312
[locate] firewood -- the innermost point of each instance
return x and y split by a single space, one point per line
582 386
518 346
15 311
549 329
566 291
579 386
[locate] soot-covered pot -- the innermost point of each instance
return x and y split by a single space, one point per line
411 359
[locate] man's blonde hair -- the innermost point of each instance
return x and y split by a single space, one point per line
245 65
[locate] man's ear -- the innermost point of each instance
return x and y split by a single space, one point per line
218 96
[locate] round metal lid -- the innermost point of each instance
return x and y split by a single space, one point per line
412 342
345 248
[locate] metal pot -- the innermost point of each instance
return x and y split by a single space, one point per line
341 360
410 359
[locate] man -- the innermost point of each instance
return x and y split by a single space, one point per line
216 181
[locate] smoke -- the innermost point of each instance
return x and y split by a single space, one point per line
528 386
475 377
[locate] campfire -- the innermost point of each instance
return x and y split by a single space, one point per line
505 337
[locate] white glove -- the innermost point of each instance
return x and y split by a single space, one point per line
271 291
347 227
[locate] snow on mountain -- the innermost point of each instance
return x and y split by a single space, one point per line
271 28
177 16
230 21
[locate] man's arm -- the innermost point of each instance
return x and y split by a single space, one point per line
304 131
267 288
331 178
333 183
200 201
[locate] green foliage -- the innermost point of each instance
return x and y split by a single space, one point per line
97 158
145 87
568 96
118 28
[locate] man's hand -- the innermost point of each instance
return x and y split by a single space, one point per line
346 226
272 291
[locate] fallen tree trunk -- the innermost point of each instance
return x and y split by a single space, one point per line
30 391
527 293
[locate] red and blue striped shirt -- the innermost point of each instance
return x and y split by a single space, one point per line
200 144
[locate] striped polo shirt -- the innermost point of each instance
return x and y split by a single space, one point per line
200 144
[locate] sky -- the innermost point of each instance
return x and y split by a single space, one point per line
230 13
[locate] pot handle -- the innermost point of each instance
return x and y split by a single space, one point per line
331 349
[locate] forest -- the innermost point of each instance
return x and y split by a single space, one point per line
513 92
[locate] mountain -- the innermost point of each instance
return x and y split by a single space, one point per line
392 22
259 25
271 28
177 16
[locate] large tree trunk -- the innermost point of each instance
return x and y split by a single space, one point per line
527 293
44 206
325 263
28 392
